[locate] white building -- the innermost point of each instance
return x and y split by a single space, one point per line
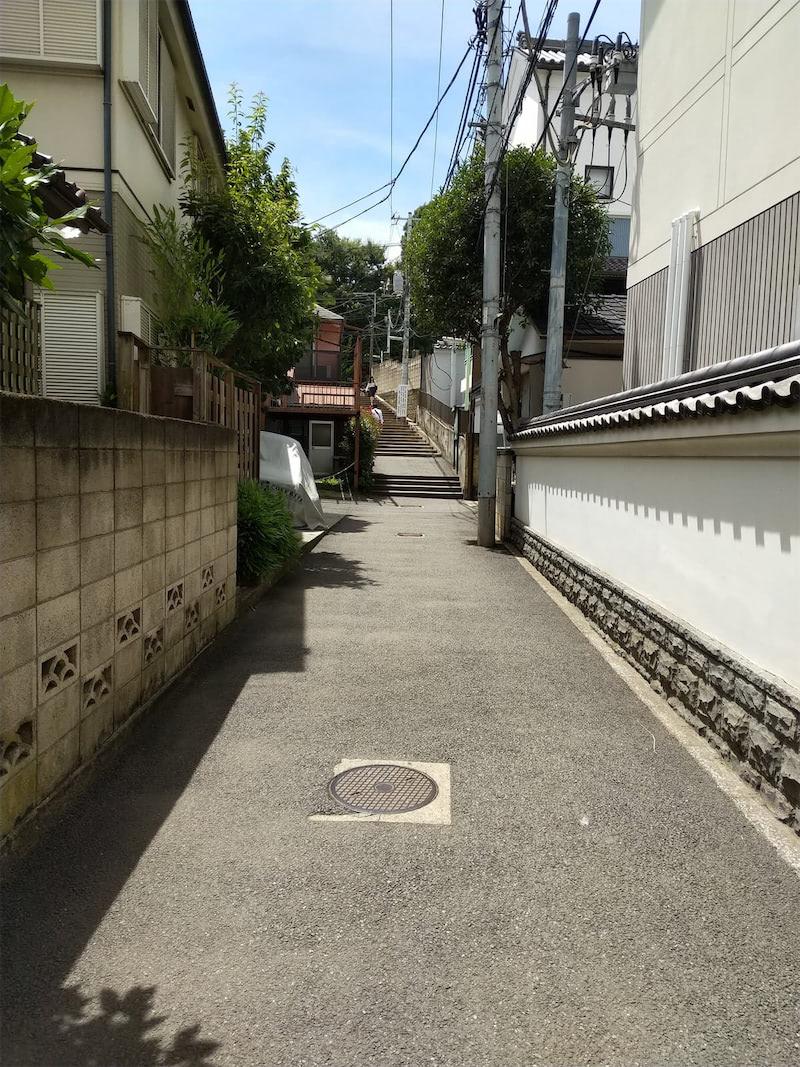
143 58
607 158
670 513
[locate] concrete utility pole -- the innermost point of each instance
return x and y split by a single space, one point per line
490 334
558 262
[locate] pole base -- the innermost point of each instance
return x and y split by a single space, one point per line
486 520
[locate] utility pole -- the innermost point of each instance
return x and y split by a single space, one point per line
490 334
402 392
554 354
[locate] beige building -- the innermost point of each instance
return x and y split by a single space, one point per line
714 271
120 92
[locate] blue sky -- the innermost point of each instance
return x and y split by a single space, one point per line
324 66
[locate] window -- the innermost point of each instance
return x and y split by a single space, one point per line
321 434
51 29
166 102
602 178
620 234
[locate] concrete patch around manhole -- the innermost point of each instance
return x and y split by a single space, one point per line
436 813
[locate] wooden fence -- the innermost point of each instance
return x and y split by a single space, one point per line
188 383
21 349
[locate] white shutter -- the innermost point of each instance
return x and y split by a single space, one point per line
63 30
71 30
72 345
20 28
148 52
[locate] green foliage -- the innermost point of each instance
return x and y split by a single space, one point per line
189 279
266 537
370 431
252 222
443 254
348 267
27 233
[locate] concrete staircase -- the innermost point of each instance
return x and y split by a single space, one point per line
397 441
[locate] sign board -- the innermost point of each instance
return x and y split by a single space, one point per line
402 401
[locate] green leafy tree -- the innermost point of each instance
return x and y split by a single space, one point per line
350 268
443 254
252 221
28 236
189 279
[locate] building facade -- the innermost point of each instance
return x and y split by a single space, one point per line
131 77
714 267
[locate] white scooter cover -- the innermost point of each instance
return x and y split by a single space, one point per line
284 465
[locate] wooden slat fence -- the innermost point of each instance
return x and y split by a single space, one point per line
21 349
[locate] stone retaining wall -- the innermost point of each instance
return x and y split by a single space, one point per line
750 719
117 565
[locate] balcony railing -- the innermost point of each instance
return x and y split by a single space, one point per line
342 395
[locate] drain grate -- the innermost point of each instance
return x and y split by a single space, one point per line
410 535
383 789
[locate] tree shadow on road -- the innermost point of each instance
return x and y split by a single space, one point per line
107 1031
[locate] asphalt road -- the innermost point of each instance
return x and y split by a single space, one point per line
593 901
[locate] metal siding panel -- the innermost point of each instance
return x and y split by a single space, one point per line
70 30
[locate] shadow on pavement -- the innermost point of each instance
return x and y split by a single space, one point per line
55 897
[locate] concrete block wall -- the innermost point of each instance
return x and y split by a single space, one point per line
117 565
388 374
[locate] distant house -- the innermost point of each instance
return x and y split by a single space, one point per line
593 346
319 403
144 55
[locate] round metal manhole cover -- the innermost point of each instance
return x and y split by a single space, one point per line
383 789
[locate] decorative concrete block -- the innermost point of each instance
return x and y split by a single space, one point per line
127 663
127 468
97 688
96 470
58 571
57 522
154 465
175 466
174 565
58 716
128 587
175 597
57 472
153 503
97 602
57 763
97 558
192 495
97 514
127 548
17 797
58 620
128 508
97 645
17 529
58 669
17 585
174 532
153 645
153 575
95 729
19 474
153 539
17 697
128 626
174 499
191 615
96 427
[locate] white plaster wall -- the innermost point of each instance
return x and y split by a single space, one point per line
714 541
717 127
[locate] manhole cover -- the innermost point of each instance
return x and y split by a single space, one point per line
383 789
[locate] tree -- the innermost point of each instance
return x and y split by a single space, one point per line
348 269
252 222
443 254
189 280
27 234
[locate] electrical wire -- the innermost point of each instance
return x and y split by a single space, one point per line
393 181
438 90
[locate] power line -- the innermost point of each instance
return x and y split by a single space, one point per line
438 90
390 184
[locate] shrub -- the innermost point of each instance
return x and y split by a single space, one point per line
266 536
366 453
